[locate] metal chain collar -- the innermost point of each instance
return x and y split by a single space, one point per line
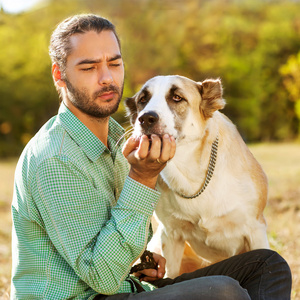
210 170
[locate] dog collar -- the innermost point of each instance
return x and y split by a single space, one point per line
210 170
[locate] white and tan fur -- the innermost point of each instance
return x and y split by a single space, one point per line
227 218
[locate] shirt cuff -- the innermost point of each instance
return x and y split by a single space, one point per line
138 197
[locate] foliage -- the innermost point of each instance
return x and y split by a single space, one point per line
249 44
291 80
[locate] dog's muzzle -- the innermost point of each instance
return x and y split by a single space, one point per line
148 119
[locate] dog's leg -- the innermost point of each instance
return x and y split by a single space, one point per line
258 238
172 250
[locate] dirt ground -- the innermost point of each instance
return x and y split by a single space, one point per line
281 163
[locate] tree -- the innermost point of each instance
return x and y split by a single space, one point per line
245 43
291 80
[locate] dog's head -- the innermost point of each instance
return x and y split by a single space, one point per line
175 105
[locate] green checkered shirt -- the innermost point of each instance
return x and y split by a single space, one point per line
79 222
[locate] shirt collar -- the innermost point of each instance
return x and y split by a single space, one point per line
85 139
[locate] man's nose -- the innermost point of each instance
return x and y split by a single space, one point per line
105 76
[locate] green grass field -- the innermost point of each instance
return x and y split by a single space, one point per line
281 163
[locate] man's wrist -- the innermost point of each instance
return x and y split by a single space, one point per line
138 197
147 181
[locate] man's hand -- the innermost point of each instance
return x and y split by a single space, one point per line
153 274
148 161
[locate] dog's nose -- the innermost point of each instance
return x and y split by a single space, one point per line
148 119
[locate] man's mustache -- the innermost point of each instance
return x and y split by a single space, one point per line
106 89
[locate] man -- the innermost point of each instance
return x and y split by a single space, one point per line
81 214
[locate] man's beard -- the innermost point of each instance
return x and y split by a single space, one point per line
88 105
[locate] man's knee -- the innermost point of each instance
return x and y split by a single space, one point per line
274 261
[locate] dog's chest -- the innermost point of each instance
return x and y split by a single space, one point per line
186 223
189 230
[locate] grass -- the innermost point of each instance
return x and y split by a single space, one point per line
281 163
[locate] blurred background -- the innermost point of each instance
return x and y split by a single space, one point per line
252 45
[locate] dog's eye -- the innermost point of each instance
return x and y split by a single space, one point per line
143 99
177 98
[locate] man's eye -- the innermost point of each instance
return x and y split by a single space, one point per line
88 69
177 98
115 65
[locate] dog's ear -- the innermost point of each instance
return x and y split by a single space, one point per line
211 92
131 109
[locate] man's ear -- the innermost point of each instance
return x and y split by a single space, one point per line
211 92
57 76
131 109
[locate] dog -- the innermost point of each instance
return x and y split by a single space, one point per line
213 192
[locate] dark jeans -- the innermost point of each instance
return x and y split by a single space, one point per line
258 275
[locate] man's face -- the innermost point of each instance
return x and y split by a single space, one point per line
94 74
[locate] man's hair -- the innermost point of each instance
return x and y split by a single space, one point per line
60 47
